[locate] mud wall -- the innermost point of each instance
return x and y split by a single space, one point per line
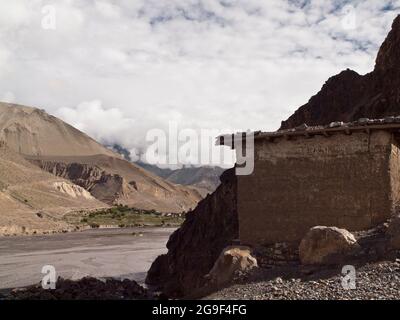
341 180
395 172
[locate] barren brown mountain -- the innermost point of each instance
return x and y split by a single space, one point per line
31 131
32 200
349 96
66 152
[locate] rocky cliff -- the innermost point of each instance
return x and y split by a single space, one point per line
193 249
349 96
117 181
103 186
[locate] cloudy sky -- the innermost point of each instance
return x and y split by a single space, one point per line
116 69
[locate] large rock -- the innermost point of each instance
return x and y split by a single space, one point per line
326 245
230 263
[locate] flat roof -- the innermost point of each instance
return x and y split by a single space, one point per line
363 124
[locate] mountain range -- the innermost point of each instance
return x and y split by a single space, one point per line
50 168
205 179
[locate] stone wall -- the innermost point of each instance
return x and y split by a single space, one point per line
341 180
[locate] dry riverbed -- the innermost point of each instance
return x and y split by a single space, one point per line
121 253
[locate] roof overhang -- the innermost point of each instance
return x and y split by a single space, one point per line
391 124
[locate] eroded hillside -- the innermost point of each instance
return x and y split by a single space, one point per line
32 200
64 151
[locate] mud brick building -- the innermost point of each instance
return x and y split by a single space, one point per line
344 175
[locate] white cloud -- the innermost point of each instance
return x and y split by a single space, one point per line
234 64
13 14
108 125
108 9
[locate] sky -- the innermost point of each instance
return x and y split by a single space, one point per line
117 69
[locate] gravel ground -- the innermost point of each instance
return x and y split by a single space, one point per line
84 289
373 281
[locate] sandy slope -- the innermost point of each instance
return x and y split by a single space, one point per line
33 200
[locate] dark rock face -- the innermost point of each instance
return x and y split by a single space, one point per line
389 53
349 96
194 248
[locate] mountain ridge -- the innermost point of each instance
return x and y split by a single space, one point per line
205 179
32 131
349 96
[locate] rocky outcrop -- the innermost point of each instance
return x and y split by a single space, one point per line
72 190
118 182
389 54
103 186
194 248
349 96
326 245
232 261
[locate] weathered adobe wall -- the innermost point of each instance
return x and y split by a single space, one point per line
395 172
341 180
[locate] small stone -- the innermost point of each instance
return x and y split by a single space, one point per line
389 119
363 121
279 280
336 124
